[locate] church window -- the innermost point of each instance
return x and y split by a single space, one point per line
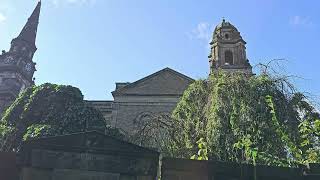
228 57
226 36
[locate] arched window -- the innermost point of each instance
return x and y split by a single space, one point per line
226 36
228 57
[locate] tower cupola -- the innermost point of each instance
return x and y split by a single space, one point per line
228 51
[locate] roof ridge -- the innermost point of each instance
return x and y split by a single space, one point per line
117 91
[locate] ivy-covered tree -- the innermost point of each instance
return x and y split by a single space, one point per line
47 110
245 118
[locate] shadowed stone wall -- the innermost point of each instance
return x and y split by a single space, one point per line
8 166
55 160
184 169
86 156
94 156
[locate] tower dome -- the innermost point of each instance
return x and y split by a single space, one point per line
228 51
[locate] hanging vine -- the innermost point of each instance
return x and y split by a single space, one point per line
252 119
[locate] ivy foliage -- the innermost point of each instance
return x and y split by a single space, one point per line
46 110
310 145
202 152
253 119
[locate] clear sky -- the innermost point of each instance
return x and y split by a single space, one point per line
91 44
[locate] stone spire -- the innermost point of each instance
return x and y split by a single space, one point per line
29 31
16 66
25 43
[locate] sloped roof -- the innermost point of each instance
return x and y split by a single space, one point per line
164 82
91 141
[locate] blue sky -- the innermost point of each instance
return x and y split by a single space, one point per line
91 44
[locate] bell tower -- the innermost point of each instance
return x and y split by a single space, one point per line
228 50
16 65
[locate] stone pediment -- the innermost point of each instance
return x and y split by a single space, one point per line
163 82
93 142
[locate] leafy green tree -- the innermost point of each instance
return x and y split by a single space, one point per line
243 118
310 145
47 110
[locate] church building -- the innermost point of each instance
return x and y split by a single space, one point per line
158 94
133 103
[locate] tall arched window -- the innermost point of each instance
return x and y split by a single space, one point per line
228 57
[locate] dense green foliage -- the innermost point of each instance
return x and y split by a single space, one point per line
246 119
202 152
47 110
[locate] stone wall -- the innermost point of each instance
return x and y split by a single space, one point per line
86 156
43 164
123 112
128 114
105 107
184 169
8 166
58 165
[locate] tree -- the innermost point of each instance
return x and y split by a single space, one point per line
48 110
310 145
243 118
152 130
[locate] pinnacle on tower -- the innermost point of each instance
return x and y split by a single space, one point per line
29 31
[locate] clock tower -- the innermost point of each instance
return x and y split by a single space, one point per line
16 65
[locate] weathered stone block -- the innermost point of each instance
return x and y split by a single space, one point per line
127 177
66 174
145 178
35 174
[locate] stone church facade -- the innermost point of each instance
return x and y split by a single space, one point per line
159 93
156 94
